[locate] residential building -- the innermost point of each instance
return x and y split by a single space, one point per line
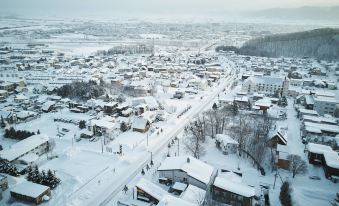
186 169
266 85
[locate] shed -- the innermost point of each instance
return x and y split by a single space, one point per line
30 192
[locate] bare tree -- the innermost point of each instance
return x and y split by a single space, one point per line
195 138
296 165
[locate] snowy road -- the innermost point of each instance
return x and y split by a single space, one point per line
106 193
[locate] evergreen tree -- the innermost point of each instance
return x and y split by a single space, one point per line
2 124
82 124
285 194
215 106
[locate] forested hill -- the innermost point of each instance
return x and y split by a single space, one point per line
319 43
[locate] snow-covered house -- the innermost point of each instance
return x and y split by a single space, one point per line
110 108
226 191
30 192
141 124
48 106
101 127
186 169
325 156
149 192
226 144
36 144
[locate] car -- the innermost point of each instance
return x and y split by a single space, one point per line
314 177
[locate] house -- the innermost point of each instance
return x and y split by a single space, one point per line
149 192
331 164
37 144
325 105
282 153
140 124
110 108
279 137
186 169
3 94
229 192
316 153
226 144
8 86
101 127
193 194
325 156
48 106
3 182
30 192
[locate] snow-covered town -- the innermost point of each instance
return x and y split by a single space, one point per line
141 112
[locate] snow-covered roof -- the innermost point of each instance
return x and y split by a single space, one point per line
139 123
308 111
169 200
47 105
19 149
179 186
151 188
224 138
149 100
332 159
193 194
318 148
234 187
102 123
323 127
266 80
29 189
194 167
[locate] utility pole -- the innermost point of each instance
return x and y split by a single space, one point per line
178 147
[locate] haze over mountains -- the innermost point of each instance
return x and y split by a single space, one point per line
302 13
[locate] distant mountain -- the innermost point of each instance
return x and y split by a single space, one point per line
318 43
330 14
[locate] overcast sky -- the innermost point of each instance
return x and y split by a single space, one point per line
150 7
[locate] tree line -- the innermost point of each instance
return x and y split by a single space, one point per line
18 134
80 90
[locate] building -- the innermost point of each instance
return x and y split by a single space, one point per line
226 144
186 169
101 127
111 107
228 192
325 105
8 86
30 192
37 144
266 85
324 155
141 124
149 192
